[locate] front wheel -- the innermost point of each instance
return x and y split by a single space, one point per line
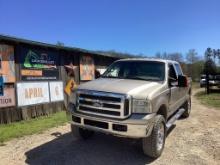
154 144
81 133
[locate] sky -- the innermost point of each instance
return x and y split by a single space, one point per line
130 26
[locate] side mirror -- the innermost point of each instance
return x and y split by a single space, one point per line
173 82
97 74
182 81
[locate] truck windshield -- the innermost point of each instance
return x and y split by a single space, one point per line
138 70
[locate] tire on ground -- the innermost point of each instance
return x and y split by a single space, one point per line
149 144
187 107
81 133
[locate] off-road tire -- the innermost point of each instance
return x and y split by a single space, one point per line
187 107
149 144
81 133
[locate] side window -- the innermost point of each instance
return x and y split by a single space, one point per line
178 69
113 72
172 73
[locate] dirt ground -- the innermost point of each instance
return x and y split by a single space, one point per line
195 140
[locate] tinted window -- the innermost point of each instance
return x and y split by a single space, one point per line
172 73
140 70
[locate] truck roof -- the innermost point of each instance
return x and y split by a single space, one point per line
148 59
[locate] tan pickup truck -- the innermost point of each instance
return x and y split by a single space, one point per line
134 98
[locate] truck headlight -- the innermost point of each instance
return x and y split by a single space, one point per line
141 106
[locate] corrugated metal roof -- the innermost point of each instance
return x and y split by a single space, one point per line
37 43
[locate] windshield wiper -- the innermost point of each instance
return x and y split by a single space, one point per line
109 77
135 78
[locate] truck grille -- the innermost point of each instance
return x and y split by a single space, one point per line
103 104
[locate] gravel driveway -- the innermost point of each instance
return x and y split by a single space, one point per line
195 140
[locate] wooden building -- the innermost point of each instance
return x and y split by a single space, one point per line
33 76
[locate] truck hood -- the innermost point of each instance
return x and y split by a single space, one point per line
135 88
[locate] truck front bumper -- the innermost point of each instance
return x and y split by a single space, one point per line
136 126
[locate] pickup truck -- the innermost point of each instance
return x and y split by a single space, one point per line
214 80
133 98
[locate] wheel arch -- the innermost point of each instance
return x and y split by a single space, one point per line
163 111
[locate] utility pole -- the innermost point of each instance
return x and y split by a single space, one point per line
208 55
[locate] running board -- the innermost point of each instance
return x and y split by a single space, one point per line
175 117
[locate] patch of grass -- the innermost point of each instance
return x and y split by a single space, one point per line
211 100
32 126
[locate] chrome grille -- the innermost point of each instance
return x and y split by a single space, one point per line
102 103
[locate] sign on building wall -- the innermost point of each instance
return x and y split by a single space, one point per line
7 66
56 91
70 86
87 68
38 64
32 93
8 99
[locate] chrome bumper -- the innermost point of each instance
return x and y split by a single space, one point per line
136 126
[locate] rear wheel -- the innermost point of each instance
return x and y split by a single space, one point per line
81 133
187 107
154 144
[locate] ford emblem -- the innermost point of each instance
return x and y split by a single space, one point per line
97 104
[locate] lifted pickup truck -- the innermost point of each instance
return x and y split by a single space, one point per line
134 98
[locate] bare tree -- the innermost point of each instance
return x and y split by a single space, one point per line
175 56
158 55
192 56
59 43
192 59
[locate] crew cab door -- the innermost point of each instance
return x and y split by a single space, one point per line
181 90
174 90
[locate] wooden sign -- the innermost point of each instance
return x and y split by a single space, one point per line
32 93
87 68
7 66
8 99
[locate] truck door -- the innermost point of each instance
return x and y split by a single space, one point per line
174 91
182 91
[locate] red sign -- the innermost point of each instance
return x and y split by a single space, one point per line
8 99
7 66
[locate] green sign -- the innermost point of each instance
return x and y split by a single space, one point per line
39 64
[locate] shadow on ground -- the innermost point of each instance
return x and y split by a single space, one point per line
216 90
100 149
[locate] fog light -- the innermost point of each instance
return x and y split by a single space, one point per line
118 127
76 119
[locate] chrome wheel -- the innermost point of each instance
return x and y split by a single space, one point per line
160 137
